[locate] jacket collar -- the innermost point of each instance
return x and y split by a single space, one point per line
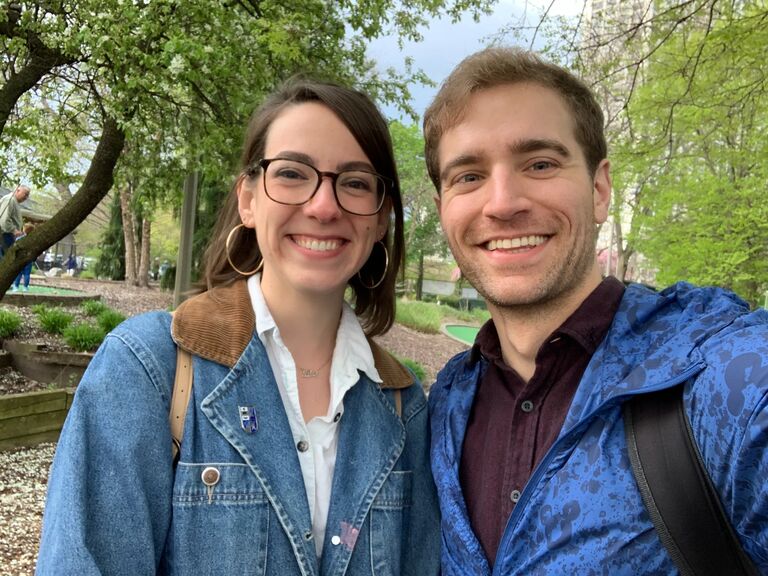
218 325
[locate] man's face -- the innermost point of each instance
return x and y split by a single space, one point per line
22 193
518 205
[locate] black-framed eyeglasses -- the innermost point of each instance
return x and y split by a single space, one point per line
294 183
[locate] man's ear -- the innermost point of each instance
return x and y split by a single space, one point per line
436 198
245 203
601 193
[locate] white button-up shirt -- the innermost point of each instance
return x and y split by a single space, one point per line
351 353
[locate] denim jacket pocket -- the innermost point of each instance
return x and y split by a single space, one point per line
390 517
220 519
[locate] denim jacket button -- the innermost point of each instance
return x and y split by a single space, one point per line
210 476
335 540
302 446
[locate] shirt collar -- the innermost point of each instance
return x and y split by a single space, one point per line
352 351
587 326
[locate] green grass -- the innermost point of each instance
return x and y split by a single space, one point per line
428 317
108 320
421 316
53 320
415 367
93 307
9 323
83 337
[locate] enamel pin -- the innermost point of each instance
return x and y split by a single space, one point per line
248 420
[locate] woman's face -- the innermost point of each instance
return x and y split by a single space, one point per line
315 247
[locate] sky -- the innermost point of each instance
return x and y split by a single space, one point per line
446 44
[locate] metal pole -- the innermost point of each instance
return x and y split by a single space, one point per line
184 260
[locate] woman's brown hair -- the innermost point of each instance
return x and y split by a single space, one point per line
374 306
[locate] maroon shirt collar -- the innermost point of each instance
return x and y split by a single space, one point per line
587 326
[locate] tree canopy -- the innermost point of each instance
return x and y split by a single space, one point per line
158 88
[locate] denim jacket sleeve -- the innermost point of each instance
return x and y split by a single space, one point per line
109 496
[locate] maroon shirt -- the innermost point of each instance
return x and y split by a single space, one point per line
514 423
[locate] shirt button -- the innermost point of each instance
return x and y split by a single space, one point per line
210 476
302 446
337 417
514 495
335 540
526 406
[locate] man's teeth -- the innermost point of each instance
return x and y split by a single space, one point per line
318 245
512 243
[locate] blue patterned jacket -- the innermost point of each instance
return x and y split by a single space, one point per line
581 511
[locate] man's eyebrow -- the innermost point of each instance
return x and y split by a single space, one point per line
525 146
535 144
459 161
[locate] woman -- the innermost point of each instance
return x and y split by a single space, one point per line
305 446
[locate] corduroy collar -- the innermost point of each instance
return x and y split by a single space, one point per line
218 324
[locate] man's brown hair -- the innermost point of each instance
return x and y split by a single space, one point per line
498 66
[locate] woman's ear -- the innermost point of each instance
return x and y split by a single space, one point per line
245 201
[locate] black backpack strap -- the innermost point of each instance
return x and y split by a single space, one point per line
677 490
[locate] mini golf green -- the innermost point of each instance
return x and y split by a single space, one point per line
37 289
461 332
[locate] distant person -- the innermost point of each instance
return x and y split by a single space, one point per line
155 270
529 448
10 217
305 446
25 274
163 268
71 265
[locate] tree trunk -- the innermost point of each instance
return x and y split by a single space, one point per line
126 192
621 263
97 183
420 277
143 279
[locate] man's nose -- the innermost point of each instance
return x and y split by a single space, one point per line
507 194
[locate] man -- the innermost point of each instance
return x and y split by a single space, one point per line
528 446
10 217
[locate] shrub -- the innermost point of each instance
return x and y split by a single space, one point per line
108 320
83 337
54 320
415 367
93 307
421 316
9 323
38 309
86 275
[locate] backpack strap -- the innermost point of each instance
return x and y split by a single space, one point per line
676 489
182 390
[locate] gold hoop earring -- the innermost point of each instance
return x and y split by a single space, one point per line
226 249
386 266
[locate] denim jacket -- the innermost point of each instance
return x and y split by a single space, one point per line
116 505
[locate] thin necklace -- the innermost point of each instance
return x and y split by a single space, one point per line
310 373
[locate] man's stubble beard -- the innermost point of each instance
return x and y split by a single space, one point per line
559 280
